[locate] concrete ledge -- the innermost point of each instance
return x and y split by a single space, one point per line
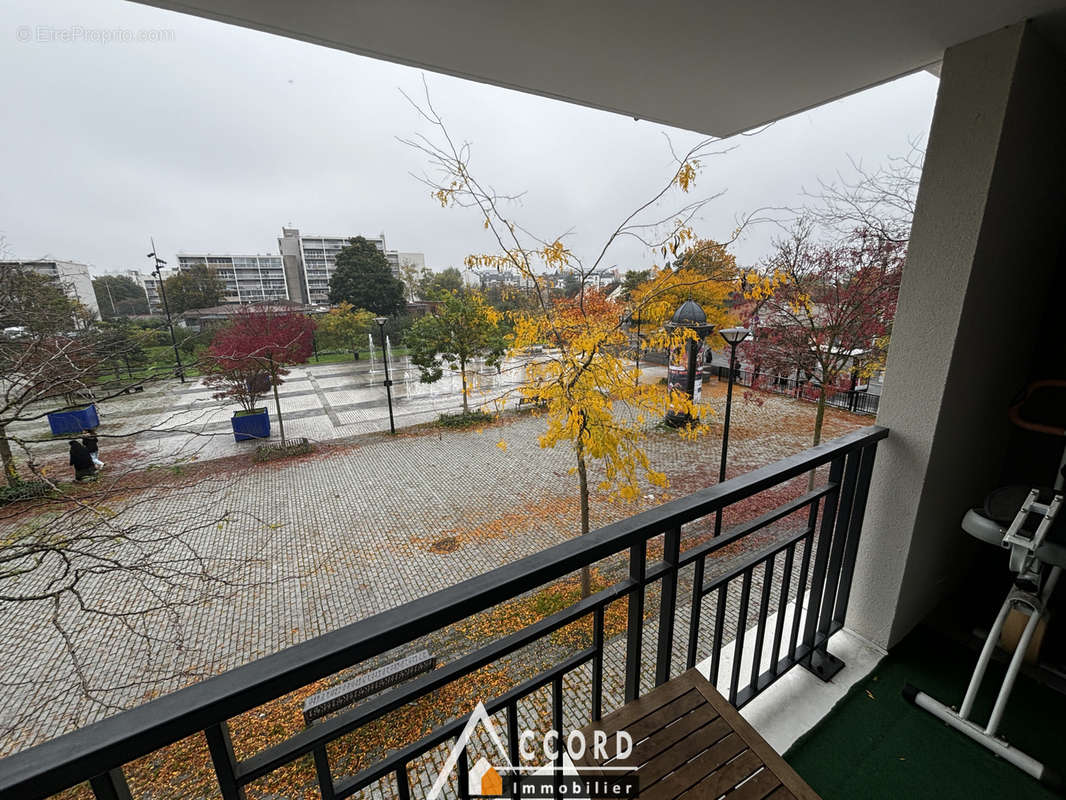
798 700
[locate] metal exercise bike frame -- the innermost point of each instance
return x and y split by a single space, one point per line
1037 564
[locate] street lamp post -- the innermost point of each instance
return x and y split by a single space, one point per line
388 381
166 309
733 337
688 315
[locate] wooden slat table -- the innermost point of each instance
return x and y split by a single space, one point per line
688 742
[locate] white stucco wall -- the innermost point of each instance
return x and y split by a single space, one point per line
984 248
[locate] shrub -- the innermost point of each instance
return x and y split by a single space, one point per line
23 490
274 450
465 420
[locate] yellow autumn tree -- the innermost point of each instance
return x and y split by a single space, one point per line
593 404
345 327
657 298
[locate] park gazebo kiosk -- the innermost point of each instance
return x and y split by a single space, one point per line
692 316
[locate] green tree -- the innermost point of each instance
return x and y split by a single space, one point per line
122 346
35 303
709 258
364 279
464 328
196 287
437 286
633 279
119 296
345 327
507 300
572 284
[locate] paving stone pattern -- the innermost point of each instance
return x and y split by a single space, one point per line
371 523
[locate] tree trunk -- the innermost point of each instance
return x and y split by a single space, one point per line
462 372
277 405
8 461
583 489
819 418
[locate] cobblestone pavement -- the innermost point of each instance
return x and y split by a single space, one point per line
363 526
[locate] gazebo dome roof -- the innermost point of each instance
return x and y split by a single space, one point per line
690 314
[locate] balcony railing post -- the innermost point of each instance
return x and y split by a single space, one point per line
403 784
464 774
858 511
221 748
667 605
808 546
635 624
822 546
823 663
719 631
110 786
782 605
323 773
597 665
760 631
695 610
841 534
557 726
738 643
512 744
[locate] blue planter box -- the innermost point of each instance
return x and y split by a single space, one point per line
73 420
251 426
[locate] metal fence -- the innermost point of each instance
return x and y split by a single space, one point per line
857 401
812 561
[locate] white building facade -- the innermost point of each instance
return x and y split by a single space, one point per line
72 276
249 278
310 261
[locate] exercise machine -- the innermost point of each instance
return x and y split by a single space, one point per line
1024 521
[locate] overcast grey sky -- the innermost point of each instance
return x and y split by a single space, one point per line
215 139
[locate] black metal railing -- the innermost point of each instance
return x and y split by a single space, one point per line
810 607
858 401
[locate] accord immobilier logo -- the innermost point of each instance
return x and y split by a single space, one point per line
500 778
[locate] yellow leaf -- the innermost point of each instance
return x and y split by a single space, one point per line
502 444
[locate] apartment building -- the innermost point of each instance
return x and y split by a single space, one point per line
73 276
249 278
309 261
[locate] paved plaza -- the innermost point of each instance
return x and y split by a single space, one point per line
171 421
366 523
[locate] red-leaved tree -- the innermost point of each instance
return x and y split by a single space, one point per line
829 314
259 341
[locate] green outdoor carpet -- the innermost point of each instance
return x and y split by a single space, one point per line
874 744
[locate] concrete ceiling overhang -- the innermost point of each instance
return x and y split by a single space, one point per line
714 67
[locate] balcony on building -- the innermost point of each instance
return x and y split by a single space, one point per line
867 581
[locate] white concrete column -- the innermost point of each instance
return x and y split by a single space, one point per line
984 247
